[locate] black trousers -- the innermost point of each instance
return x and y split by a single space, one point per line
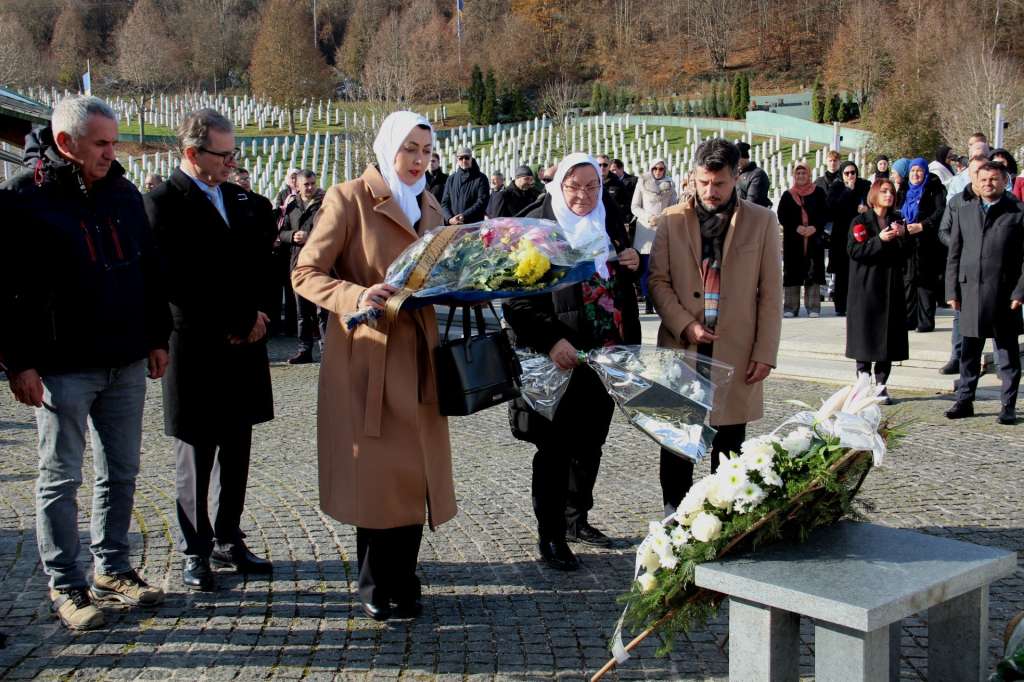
387 564
568 458
676 473
1007 357
310 317
282 298
220 467
882 370
840 287
921 304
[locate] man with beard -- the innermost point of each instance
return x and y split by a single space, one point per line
465 192
736 245
299 222
513 199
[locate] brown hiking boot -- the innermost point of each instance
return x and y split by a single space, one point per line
127 588
76 610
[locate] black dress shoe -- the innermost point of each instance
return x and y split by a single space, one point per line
951 367
588 535
241 559
301 358
376 611
196 574
1007 416
557 554
925 330
960 410
409 608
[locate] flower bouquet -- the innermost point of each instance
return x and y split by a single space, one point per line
665 393
479 262
780 486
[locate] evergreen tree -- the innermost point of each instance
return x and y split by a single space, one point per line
724 103
475 95
850 109
688 108
817 101
736 111
713 104
488 114
595 98
835 106
520 107
744 96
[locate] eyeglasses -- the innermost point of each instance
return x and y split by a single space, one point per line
576 189
227 156
544 178
658 168
463 158
849 172
603 165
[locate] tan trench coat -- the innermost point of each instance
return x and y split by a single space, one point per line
750 310
384 455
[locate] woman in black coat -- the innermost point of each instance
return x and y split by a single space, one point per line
922 201
876 332
803 213
599 312
846 200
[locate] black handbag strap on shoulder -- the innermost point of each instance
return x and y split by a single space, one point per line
467 327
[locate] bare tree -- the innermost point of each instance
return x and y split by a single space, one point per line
387 75
19 60
213 31
970 88
71 45
558 98
714 29
148 58
849 65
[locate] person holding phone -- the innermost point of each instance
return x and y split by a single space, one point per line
876 333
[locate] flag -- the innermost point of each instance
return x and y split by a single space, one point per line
87 79
458 19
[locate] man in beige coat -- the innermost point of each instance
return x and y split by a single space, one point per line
716 282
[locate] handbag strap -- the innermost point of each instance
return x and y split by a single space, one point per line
448 324
421 270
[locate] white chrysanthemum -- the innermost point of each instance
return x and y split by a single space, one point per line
679 536
655 528
772 478
650 561
647 582
668 559
661 543
732 464
720 494
758 459
798 441
748 497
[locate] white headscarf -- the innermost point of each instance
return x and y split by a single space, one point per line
393 131
580 230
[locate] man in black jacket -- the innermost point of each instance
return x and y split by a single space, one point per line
832 174
218 383
299 221
268 228
618 169
753 183
436 178
85 318
465 192
513 199
985 282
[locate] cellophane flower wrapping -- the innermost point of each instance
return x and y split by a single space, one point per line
494 259
665 393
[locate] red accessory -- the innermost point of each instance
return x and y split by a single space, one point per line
860 233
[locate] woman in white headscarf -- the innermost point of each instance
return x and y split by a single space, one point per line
596 313
654 193
384 456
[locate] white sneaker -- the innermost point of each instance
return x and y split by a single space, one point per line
813 315
787 314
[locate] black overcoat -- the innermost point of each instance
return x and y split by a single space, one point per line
843 203
799 268
926 259
984 271
876 312
212 387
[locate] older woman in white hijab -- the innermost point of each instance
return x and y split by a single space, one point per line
596 313
654 193
384 456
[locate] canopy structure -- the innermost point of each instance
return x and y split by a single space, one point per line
18 114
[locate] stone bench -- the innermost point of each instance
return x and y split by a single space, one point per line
858 581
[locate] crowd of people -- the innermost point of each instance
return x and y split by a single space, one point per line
186 282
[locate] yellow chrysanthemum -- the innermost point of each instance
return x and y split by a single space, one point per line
531 264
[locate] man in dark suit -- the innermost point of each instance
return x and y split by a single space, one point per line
298 225
985 282
218 383
436 178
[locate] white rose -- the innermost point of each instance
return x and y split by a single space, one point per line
691 504
651 561
706 527
720 495
798 441
647 581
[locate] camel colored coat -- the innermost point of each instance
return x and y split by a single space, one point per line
750 308
384 455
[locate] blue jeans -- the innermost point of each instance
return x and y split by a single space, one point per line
109 402
645 273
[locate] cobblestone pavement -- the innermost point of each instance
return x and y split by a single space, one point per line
491 612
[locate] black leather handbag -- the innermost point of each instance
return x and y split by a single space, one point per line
475 372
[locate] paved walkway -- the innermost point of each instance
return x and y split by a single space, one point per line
491 612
